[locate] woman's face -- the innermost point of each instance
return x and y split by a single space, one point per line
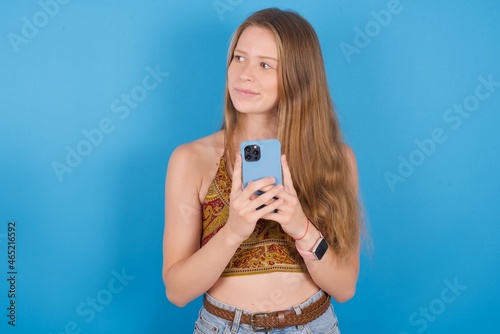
252 75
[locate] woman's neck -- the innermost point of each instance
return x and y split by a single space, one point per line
256 127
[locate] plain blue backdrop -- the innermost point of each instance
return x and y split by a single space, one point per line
95 95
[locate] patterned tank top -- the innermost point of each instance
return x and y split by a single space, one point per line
267 249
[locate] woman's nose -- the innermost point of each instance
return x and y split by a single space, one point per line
247 73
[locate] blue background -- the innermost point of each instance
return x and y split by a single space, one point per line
436 226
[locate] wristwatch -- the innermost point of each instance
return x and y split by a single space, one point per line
318 251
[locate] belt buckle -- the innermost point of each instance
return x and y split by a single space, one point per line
252 322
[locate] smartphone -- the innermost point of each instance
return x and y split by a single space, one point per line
261 158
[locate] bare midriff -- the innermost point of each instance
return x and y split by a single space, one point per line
264 292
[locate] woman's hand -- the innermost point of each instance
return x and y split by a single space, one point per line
243 213
290 215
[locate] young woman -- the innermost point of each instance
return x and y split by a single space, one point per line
274 268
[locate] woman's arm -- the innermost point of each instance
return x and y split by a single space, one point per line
188 270
335 276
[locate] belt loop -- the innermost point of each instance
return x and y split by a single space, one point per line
236 320
298 310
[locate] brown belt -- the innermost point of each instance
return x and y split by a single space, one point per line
263 321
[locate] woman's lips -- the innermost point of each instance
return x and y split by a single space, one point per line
245 92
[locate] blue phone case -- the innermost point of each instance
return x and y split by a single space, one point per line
269 163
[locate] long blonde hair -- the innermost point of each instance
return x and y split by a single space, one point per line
307 128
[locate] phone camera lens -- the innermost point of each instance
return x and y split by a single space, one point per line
248 149
255 152
248 157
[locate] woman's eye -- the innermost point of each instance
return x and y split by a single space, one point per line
238 58
265 66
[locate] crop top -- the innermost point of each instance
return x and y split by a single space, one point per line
267 249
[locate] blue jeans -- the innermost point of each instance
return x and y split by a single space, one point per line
208 323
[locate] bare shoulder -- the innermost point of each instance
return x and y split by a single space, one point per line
351 163
199 151
349 155
196 162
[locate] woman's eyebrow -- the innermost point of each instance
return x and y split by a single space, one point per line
261 57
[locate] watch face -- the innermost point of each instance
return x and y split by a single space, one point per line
321 249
